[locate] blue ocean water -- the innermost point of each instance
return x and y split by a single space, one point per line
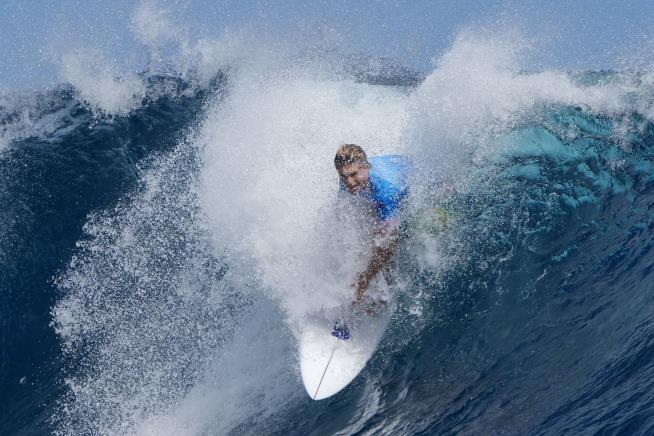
117 308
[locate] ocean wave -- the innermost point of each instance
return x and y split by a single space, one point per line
189 233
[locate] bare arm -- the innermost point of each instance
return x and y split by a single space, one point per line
386 240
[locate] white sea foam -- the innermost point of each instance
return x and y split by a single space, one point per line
482 87
100 84
268 189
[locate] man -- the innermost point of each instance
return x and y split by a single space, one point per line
382 180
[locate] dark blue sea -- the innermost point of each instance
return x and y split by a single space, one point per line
157 257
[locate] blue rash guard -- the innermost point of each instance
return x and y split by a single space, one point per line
388 184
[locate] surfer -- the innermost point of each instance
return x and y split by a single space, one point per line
381 180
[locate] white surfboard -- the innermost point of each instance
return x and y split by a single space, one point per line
329 364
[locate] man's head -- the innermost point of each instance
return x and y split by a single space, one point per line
352 165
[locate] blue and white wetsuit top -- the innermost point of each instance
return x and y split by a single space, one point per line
388 184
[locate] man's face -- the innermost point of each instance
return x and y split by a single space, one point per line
354 176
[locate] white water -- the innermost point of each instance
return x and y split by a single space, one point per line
176 350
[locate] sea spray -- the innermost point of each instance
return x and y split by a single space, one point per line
257 203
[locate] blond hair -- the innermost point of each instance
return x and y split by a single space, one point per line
349 153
